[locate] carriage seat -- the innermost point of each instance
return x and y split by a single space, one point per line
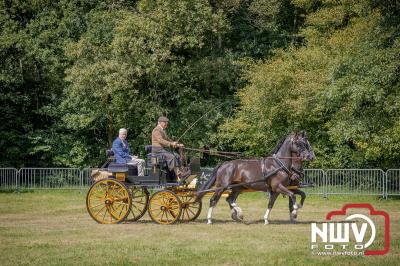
110 153
118 167
153 158
114 167
110 158
123 168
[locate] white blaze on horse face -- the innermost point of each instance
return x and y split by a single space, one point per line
209 215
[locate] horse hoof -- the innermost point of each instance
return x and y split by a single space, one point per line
237 214
299 206
237 217
266 222
234 215
209 222
293 221
293 216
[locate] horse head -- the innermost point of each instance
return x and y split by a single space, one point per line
302 147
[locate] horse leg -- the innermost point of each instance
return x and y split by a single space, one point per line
213 202
292 212
236 211
282 189
271 202
303 197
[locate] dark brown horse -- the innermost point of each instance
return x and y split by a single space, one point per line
266 174
297 170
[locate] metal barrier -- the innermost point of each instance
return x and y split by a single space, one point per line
316 177
8 178
355 182
47 178
329 182
86 180
392 183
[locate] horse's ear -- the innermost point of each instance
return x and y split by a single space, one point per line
302 134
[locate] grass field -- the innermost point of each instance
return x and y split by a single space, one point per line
53 228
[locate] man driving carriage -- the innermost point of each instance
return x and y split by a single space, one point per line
160 141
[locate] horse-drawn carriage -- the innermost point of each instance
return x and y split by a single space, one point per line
122 195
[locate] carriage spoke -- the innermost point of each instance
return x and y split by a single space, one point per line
108 201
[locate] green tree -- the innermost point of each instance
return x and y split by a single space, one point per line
342 87
131 67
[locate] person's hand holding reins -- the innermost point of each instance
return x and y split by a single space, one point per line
175 144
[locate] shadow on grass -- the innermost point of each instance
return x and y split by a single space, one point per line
261 221
284 222
217 221
9 191
139 222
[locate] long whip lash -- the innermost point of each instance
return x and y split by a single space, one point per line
199 120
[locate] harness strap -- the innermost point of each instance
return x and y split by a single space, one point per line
265 174
297 171
263 170
282 165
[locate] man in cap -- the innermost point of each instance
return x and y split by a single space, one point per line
122 154
160 141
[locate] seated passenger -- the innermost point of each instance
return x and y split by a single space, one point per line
121 151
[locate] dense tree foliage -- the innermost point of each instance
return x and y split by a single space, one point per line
342 86
73 72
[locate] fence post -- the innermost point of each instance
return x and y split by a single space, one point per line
17 176
324 185
81 180
385 185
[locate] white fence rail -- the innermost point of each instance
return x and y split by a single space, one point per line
326 182
316 177
355 181
392 184
8 178
47 178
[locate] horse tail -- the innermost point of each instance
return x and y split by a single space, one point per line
208 184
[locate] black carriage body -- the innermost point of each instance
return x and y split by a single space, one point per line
122 195
157 174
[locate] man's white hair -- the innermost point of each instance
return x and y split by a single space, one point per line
123 130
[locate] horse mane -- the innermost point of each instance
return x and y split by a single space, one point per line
278 146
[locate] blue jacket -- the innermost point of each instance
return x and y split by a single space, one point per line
121 150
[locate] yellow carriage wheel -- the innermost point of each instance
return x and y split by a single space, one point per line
190 209
140 201
164 207
108 201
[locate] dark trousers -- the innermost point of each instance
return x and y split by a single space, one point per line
172 158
